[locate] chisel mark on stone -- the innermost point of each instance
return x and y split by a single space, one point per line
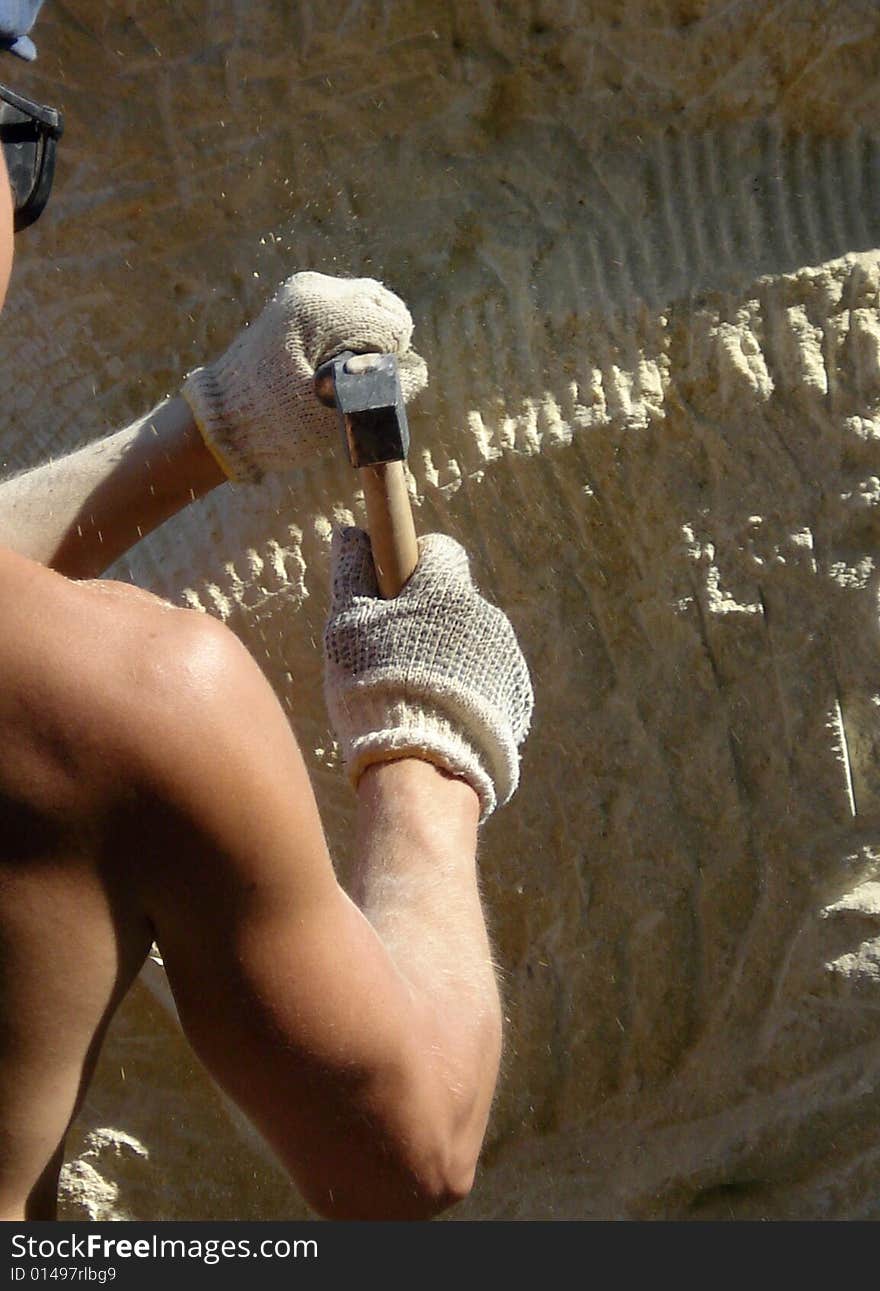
839 727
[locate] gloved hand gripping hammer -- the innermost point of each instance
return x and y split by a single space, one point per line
365 388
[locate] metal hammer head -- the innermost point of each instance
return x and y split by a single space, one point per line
366 390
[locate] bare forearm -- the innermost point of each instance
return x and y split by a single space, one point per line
79 513
417 884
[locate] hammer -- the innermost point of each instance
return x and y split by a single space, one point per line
365 388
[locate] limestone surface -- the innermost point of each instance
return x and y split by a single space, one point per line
639 240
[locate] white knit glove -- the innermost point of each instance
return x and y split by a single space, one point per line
434 673
256 406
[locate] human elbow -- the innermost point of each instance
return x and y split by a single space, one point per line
443 1182
398 1184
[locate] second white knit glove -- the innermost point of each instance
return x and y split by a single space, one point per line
256 406
435 673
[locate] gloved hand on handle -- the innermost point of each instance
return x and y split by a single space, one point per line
434 673
255 406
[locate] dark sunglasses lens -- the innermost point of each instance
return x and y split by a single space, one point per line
21 141
24 148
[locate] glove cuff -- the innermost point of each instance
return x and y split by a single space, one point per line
203 391
378 723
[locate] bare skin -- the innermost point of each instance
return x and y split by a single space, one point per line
80 513
151 789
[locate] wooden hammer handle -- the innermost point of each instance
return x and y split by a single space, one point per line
390 525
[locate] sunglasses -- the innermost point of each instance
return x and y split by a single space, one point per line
29 133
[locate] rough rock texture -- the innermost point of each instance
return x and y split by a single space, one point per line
638 241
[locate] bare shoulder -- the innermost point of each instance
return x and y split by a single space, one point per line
122 671
157 722
36 599
188 698
210 748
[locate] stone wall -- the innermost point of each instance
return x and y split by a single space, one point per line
638 239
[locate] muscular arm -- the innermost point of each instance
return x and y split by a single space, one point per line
79 513
364 1042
